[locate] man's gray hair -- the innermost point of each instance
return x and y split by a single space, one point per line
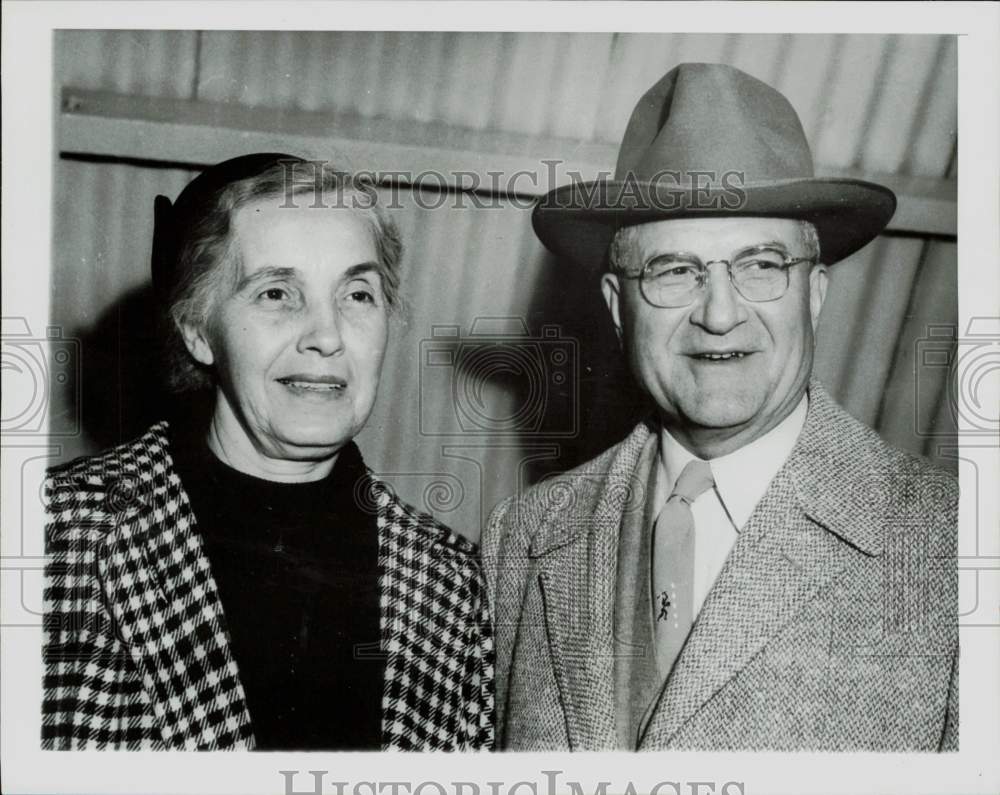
620 252
208 266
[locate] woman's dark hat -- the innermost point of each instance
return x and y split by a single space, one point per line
171 221
710 140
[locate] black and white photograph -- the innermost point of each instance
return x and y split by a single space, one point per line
614 382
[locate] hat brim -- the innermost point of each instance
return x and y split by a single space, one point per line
578 221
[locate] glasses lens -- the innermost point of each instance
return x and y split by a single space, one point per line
762 276
668 281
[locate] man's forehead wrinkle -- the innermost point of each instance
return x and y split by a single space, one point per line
695 242
685 254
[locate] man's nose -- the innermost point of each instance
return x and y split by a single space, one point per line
322 332
720 309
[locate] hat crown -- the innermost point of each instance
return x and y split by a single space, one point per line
710 140
702 117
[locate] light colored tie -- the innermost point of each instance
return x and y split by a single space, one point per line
673 564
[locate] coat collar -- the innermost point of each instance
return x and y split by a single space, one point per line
836 483
574 503
834 487
156 578
790 549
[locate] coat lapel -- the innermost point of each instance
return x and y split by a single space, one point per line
636 674
778 564
157 581
790 550
577 556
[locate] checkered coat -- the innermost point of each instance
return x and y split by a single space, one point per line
831 627
136 651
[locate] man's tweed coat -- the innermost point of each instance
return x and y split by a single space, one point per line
136 648
832 626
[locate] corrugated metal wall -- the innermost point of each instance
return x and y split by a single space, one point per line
874 103
871 102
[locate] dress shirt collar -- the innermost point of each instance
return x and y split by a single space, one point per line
742 476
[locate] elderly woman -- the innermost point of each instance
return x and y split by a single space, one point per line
242 580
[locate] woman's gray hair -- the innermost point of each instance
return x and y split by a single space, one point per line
208 265
622 246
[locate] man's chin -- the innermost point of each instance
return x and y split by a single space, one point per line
730 414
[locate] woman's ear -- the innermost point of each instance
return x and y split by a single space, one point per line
196 341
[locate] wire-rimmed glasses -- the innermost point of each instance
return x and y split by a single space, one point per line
758 273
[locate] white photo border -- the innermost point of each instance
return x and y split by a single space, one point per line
29 150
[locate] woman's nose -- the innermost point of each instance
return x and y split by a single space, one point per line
322 332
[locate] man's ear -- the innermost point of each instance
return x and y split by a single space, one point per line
196 341
611 288
818 279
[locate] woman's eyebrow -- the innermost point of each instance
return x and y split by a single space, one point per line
359 270
275 272
267 272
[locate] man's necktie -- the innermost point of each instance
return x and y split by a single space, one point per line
673 564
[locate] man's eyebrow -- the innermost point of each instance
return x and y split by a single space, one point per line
776 244
269 272
687 254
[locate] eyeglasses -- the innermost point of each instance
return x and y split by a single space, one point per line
673 280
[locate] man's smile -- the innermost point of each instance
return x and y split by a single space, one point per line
717 354
723 356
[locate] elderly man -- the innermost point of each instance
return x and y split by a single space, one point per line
751 568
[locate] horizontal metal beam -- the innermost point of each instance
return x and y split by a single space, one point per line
166 130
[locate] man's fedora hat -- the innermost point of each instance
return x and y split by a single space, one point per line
710 140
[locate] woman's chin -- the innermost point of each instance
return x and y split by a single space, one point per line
311 442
